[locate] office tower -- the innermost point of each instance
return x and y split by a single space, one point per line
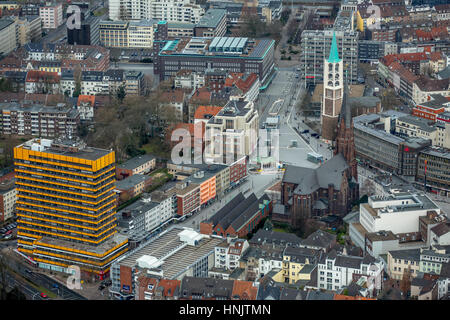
66 206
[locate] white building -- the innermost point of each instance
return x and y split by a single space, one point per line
232 132
227 255
188 79
8 197
140 34
167 10
336 271
51 15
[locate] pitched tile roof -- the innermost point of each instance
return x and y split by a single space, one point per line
206 112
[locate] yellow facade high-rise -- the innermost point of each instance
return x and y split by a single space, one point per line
66 206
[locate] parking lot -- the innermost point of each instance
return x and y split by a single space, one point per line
132 55
8 230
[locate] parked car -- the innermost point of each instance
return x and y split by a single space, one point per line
3 230
43 295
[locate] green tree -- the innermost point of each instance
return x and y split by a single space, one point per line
121 93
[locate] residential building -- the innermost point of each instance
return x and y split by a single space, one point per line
167 10
432 259
137 165
227 255
430 109
401 261
175 100
319 240
188 79
8 198
299 264
8 39
28 29
336 271
212 24
42 82
230 53
424 289
134 83
38 120
44 233
51 15
154 288
132 186
316 46
243 86
172 255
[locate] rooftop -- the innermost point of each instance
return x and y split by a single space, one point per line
174 254
136 162
131 181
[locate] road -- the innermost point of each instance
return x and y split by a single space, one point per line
30 273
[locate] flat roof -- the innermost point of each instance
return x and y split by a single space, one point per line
88 153
136 162
182 257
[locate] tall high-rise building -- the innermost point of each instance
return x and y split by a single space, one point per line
332 92
66 206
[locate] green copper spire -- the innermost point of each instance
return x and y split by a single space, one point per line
334 54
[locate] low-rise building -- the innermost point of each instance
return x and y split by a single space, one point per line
137 165
132 186
227 255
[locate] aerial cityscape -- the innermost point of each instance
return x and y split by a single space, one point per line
233 150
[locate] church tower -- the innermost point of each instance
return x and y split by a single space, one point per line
345 140
332 92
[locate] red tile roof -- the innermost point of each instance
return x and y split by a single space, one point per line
244 290
174 96
203 111
41 76
202 95
241 81
86 98
169 286
343 297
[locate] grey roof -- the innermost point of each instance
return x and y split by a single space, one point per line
410 254
441 229
320 239
279 209
365 101
444 74
206 287
309 180
242 219
299 255
136 162
227 208
131 181
233 214
319 295
269 291
292 294
269 236
5 22
346 111
420 122
212 18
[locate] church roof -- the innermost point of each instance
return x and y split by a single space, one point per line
334 54
346 110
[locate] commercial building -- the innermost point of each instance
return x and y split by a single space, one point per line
87 34
399 261
8 40
395 220
230 53
431 109
232 133
66 206
28 29
433 170
172 255
51 15
376 146
38 120
239 217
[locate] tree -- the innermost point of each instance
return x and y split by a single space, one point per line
121 93
77 77
389 100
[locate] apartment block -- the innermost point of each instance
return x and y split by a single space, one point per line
8 197
433 170
8 40
51 15
315 48
66 206
38 120
167 10
212 24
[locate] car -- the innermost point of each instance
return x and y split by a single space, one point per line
317 137
28 271
108 283
305 131
9 227
8 236
3 230
43 295
101 287
313 134
8 232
